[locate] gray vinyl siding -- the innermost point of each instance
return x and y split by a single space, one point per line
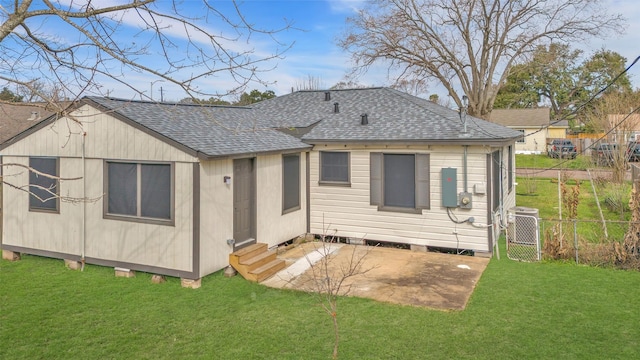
353 211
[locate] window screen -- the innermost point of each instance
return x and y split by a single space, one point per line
334 166
496 180
399 180
510 168
291 182
140 190
123 188
43 190
155 191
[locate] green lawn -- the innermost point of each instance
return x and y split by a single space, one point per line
518 311
542 161
545 199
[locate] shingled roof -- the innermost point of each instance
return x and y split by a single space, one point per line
292 122
212 131
392 116
15 118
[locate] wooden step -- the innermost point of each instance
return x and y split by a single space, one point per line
266 271
250 251
258 260
255 262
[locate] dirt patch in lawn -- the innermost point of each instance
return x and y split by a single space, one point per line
434 280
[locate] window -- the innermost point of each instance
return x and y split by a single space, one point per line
290 183
334 167
400 181
521 140
43 190
141 191
510 167
496 179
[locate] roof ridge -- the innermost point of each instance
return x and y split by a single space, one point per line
349 89
150 102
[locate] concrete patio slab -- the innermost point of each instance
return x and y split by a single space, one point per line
433 280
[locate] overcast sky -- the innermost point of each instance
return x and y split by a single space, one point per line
318 23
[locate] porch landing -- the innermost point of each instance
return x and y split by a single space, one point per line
433 280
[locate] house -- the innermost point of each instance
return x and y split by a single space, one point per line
626 127
17 117
534 125
387 166
176 188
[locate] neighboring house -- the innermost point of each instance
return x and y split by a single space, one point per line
17 117
626 127
535 125
179 187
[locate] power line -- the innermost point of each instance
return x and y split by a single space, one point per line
575 111
582 106
637 109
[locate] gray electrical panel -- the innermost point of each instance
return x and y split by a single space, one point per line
449 187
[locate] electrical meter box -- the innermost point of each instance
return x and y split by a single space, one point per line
449 187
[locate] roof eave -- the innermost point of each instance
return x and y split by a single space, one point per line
459 141
240 155
146 130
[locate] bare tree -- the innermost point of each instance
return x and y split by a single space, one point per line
330 268
414 86
468 45
100 43
41 193
328 277
56 51
347 84
618 115
310 83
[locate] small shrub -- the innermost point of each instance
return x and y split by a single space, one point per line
570 199
555 247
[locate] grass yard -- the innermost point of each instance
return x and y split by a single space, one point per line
545 199
518 310
542 161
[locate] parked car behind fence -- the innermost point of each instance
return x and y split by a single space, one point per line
561 148
633 151
605 154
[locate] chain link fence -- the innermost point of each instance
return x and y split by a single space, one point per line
593 242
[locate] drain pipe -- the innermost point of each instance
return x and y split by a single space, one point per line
84 203
465 168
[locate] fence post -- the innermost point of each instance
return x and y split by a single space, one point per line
560 207
575 238
604 223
